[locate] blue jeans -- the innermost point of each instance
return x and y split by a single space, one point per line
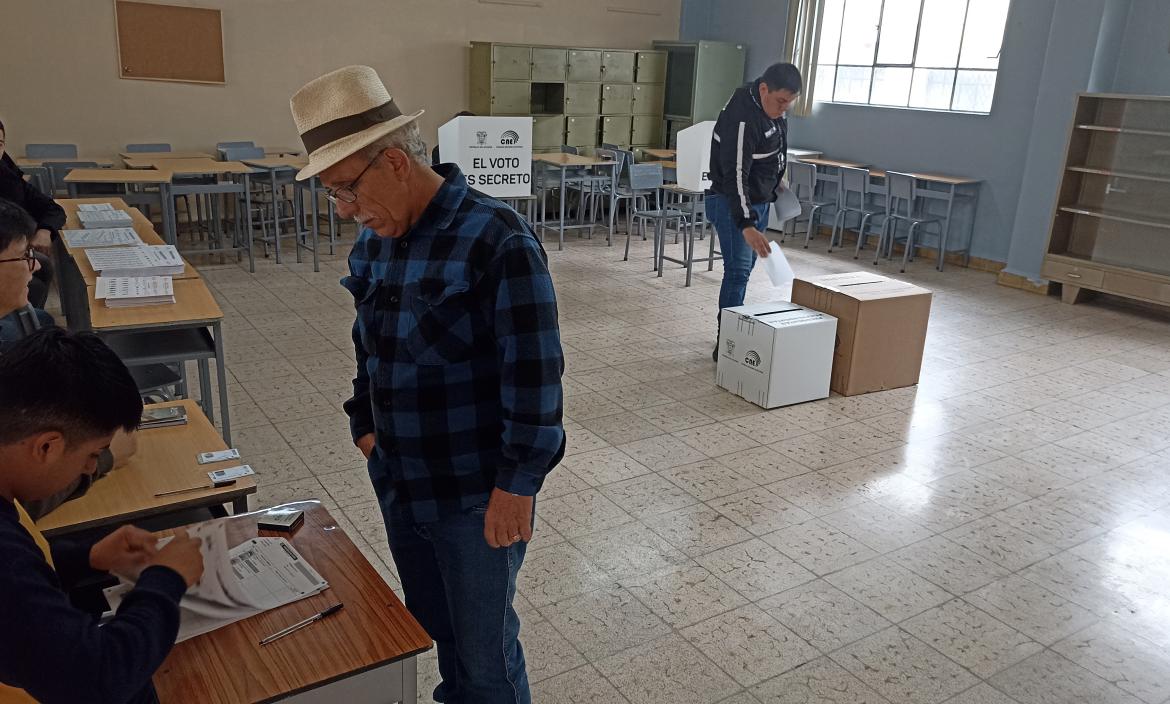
738 257
461 589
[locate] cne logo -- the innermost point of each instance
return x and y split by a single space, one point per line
481 137
752 358
509 137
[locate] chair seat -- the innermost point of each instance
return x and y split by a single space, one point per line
921 220
665 214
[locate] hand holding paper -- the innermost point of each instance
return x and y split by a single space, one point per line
779 270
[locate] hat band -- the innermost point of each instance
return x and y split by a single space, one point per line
334 130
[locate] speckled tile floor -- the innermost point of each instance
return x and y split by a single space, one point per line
998 534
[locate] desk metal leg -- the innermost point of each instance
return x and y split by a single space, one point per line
316 210
971 235
205 399
240 505
946 233
275 215
561 224
169 214
221 377
248 226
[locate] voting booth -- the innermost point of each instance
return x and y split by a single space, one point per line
694 156
495 153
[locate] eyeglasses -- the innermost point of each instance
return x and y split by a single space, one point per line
346 193
28 257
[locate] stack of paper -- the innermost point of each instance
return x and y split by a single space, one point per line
95 206
91 219
253 577
129 291
101 237
143 260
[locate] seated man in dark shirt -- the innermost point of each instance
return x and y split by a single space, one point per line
62 396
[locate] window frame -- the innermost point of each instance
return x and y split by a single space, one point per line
912 66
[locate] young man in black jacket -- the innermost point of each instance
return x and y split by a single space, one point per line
49 217
748 159
62 396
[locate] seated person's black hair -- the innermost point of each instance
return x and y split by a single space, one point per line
15 223
71 383
783 77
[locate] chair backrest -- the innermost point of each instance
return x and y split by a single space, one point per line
228 145
645 177
802 178
58 170
148 147
612 147
854 184
566 149
902 193
238 153
50 151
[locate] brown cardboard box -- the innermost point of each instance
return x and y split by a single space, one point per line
881 328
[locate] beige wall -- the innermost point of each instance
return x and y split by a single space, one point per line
59 81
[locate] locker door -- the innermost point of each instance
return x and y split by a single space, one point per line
651 67
511 97
584 65
582 98
647 99
616 98
511 62
617 66
548 64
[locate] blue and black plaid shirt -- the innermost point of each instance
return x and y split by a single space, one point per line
459 357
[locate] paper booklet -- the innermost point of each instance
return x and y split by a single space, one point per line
143 260
253 577
127 291
101 237
91 219
90 207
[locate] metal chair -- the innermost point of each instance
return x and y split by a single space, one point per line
802 179
903 205
50 151
59 169
646 177
148 147
853 197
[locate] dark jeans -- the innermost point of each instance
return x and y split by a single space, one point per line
738 257
461 589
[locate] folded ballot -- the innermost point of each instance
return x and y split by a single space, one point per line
248 579
130 291
91 219
101 237
142 260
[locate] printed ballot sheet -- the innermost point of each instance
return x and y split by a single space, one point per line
143 260
101 237
250 578
120 291
92 207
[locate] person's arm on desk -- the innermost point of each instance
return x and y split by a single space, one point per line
59 654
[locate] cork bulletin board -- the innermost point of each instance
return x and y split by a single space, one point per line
169 42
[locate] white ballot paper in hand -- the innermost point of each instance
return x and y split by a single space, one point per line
254 576
778 268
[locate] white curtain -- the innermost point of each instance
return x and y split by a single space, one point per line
801 43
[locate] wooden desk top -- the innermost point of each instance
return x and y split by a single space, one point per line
675 188
228 666
797 152
200 166
278 162
118 176
23 161
141 225
924 176
562 159
667 164
166 155
659 153
820 161
165 460
193 305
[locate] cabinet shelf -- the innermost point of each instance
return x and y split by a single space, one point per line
1123 130
1116 216
1154 178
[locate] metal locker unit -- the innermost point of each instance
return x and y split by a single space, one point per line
549 64
646 130
617 99
582 98
700 77
615 129
651 67
673 127
581 131
511 98
511 62
584 65
617 66
548 131
647 99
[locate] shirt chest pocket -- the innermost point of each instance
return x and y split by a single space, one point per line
364 292
442 326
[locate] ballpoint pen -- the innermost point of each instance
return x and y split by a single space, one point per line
301 624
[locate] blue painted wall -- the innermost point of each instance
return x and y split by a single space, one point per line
1052 49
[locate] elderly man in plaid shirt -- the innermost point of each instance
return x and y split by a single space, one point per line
457 402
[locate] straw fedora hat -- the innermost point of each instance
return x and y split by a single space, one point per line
341 112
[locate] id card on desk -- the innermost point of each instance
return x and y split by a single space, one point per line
228 473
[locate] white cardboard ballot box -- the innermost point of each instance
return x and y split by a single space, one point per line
693 156
776 354
494 153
